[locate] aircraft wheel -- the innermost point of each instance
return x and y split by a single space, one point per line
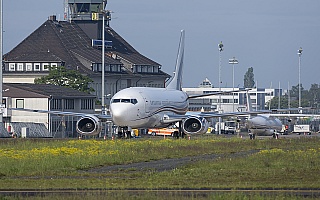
128 134
120 134
176 134
153 134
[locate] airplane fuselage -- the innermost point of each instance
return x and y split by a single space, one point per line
143 107
264 125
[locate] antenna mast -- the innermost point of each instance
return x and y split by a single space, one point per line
66 10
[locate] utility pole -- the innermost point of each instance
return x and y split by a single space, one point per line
1 54
103 106
299 85
66 10
220 45
233 61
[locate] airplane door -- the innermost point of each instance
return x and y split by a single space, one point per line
146 103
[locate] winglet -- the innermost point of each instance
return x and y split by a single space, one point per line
176 81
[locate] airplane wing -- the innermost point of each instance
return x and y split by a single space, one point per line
107 117
88 124
175 118
216 93
294 115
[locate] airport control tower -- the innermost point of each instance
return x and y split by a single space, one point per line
88 15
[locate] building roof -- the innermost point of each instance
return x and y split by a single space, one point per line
58 41
25 90
125 50
67 43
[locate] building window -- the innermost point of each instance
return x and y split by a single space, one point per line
143 68
83 7
95 67
12 67
20 67
4 103
37 67
69 104
56 104
225 100
45 67
138 68
29 66
19 103
54 65
87 104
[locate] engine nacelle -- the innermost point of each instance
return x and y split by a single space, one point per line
89 125
195 125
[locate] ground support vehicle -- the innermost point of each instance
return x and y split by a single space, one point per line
302 129
226 127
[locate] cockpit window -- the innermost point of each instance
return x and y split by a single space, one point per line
125 100
115 100
133 101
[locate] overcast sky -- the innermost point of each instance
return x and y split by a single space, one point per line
261 34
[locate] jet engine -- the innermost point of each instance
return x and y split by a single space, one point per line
195 125
88 125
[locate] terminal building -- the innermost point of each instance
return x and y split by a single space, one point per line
229 102
76 43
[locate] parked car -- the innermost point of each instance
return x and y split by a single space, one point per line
170 131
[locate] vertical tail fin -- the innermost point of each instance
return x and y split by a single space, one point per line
249 103
176 81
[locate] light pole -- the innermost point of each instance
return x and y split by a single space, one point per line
233 61
220 45
1 54
299 85
103 107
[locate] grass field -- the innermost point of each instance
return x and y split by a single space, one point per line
289 164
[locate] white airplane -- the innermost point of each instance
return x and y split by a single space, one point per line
141 107
144 107
262 124
268 123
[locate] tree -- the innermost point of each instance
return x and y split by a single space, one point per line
249 78
67 78
309 98
295 91
274 104
313 95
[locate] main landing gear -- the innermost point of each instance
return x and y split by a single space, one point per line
124 132
176 134
275 135
252 136
179 133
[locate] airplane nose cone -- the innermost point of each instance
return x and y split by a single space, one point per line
118 115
